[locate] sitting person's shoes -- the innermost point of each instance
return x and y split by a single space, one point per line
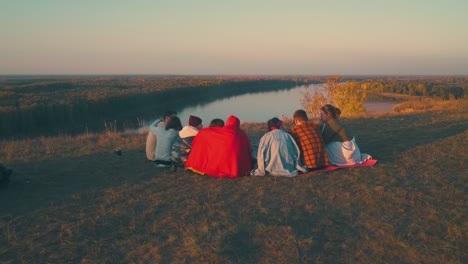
162 164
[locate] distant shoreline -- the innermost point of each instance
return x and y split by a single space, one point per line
98 75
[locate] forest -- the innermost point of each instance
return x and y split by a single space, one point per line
445 88
48 105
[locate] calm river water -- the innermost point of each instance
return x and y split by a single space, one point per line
260 107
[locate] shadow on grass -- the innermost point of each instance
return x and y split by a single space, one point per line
386 138
288 227
38 184
240 246
120 209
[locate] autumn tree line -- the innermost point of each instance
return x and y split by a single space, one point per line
349 95
437 87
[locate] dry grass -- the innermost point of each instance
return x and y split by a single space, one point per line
92 206
430 104
42 148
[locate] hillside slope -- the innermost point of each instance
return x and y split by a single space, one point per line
99 207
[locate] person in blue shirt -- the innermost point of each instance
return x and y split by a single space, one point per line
151 139
167 136
278 153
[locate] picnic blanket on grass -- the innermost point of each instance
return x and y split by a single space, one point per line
366 163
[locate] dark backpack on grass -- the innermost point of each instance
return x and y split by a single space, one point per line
4 176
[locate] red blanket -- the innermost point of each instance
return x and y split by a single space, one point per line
222 152
367 163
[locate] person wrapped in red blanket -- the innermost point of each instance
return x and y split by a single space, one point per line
222 152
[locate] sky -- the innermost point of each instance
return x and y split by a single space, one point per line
234 37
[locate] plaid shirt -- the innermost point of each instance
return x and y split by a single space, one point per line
313 152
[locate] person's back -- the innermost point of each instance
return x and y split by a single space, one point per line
335 131
151 139
341 145
166 139
167 135
311 145
221 151
187 134
278 153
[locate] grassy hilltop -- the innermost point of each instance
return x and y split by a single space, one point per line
72 200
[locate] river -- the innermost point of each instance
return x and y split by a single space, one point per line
260 107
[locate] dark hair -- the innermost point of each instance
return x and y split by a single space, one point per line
174 123
169 113
217 123
331 110
274 122
300 114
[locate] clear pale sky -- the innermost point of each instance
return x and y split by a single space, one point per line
234 37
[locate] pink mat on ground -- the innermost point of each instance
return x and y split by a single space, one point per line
367 163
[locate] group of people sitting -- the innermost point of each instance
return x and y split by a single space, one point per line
223 149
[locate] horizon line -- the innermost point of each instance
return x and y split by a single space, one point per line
220 75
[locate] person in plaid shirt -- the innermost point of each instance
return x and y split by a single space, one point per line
307 136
